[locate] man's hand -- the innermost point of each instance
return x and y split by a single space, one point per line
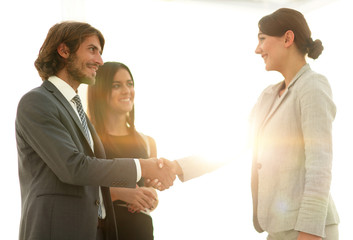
155 183
151 169
172 164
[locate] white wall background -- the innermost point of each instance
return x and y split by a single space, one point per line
197 77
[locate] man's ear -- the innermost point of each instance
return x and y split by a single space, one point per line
288 38
63 50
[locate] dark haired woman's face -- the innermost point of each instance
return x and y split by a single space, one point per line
122 96
271 50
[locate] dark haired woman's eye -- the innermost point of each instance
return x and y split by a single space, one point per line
130 83
116 86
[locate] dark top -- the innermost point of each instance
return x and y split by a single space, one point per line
130 146
131 226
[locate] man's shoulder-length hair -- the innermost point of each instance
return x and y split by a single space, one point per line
72 34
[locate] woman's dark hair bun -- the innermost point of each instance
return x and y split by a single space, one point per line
315 48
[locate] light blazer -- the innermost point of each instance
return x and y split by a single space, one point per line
195 166
292 161
59 173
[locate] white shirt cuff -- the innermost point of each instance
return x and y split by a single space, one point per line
138 170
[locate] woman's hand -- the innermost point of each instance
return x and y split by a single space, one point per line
133 208
154 192
307 236
140 198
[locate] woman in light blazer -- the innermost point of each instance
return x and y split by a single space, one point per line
292 130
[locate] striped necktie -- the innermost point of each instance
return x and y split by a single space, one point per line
82 114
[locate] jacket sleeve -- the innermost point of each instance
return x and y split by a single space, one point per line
44 125
317 114
195 166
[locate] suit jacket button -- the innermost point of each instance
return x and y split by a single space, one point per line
259 165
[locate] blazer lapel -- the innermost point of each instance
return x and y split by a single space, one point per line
272 94
266 103
51 88
98 146
273 102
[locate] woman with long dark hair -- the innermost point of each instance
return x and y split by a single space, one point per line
111 110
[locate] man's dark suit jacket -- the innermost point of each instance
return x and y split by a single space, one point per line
59 173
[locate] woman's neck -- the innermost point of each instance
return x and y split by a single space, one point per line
115 124
292 68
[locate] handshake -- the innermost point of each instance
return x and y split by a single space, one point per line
159 173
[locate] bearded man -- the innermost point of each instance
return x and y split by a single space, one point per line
64 176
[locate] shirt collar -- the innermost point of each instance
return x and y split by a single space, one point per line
63 87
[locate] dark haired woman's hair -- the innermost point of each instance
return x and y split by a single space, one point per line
284 19
72 34
99 93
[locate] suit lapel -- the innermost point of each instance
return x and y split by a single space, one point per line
264 109
270 103
273 103
58 95
98 146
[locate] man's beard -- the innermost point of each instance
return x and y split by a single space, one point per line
75 72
